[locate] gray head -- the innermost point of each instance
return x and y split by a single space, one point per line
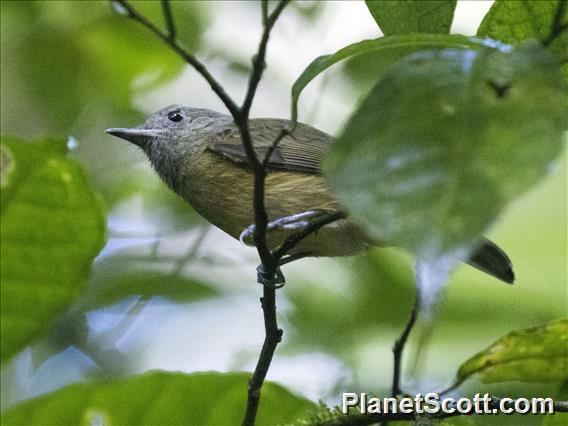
168 124
170 136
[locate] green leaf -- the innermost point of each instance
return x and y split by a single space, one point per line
537 355
160 398
445 140
52 226
391 48
515 21
412 16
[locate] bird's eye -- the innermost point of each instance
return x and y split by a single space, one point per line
175 116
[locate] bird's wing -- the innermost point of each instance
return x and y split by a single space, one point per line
302 151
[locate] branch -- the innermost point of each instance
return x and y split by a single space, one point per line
283 132
261 218
399 345
258 63
269 265
167 11
557 26
264 11
132 13
268 301
269 260
370 419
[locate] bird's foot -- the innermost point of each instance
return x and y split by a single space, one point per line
292 222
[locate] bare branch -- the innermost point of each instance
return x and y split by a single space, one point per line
258 60
168 18
283 133
269 260
132 13
260 215
399 345
264 11
273 334
557 26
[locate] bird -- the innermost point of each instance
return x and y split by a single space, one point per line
198 153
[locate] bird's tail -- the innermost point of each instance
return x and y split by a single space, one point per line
493 260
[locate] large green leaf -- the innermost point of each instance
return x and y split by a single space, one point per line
538 354
389 49
412 16
515 21
445 140
160 398
52 226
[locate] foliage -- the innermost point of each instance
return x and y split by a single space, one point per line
389 49
449 131
164 399
538 354
52 226
401 17
441 182
513 22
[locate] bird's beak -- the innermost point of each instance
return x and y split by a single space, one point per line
138 137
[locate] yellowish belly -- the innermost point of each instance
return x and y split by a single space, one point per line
222 192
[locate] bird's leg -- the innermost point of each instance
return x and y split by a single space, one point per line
292 222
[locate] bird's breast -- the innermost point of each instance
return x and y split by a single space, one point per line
222 192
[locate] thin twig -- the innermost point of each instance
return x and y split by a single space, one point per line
455 384
168 18
132 13
261 217
283 133
398 347
273 334
557 26
258 60
264 11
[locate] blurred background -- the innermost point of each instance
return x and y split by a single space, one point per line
170 292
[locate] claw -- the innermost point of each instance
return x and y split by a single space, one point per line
249 231
291 222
